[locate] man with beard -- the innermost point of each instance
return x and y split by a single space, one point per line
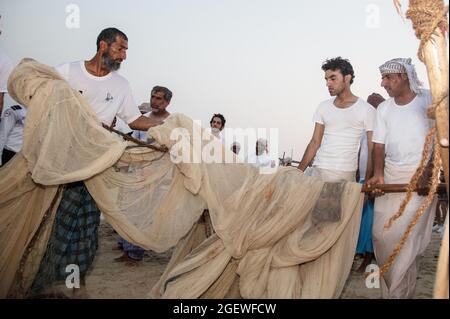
340 123
108 93
74 238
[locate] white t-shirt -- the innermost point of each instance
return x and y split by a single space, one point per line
220 136
262 160
6 66
11 128
363 156
142 135
402 129
342 135
109 95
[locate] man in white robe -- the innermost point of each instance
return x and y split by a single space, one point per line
399 135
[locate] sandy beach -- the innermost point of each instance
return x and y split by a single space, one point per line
109 279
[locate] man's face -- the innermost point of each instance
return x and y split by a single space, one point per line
394 83
261 147
335 82
115 53
216 123
157 102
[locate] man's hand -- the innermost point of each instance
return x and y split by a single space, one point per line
375 99
372 184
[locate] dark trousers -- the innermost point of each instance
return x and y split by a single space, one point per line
7 155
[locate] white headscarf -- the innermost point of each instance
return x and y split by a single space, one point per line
403 65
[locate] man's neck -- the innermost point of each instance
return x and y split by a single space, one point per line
95 67
405 98
345 99
161 114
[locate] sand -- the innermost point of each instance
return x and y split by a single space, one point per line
119 280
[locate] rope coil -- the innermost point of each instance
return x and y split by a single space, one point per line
426 16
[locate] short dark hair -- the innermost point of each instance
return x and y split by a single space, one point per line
109 35
340 64
166 91
220 116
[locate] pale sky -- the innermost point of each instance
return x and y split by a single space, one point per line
258 62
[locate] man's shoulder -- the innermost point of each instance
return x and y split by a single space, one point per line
68 64
425 96
117 77
325 104
64 68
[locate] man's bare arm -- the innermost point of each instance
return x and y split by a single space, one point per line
143 123
378 168
369 168
313 146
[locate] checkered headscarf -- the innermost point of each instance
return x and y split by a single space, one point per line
403 65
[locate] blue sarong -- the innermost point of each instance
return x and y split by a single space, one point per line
365 244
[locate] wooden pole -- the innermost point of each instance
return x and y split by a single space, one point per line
434 55
126 137
398 188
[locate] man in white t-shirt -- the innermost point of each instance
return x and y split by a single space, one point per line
217 124
11 132
6 66
261 156
159 101
340 123
399 136
107 92
74 237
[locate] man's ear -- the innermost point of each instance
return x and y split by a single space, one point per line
347 79
103 47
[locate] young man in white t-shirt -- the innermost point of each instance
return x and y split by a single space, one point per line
340 123
217 124
399 136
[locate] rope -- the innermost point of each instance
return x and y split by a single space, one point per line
431 111
426 16
428 200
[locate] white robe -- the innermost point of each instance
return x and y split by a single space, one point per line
400 280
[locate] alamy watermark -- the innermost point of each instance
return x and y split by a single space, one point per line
373 16
73 279
258 146
373 278
73 16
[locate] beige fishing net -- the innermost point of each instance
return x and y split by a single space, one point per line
264 241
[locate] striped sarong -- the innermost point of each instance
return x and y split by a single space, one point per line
74 237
